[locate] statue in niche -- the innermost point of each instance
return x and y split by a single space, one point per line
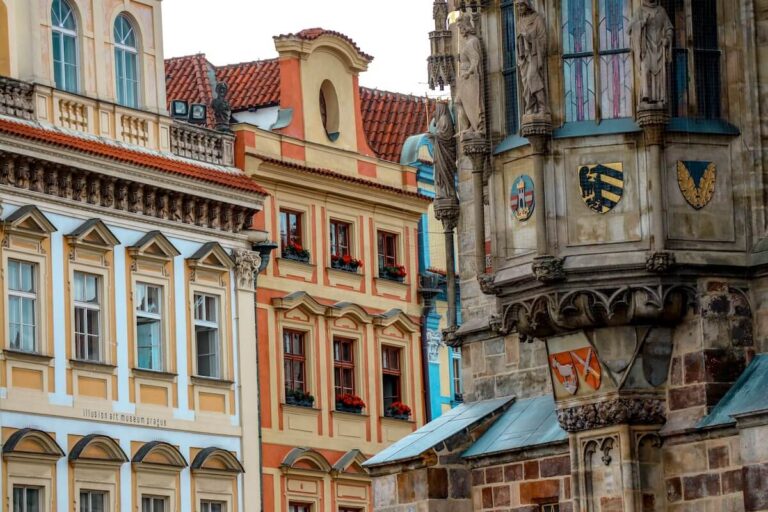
222 110
651 34
444 140
531 49
469 89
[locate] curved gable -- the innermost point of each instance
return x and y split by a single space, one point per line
216 459
342 309
28 441
305 459
301 300
160 453
97 448
397 318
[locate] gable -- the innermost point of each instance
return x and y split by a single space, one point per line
155 245
93 233
29 220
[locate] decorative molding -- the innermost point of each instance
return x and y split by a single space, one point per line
660 262
486 284
548 269
247 264
633 411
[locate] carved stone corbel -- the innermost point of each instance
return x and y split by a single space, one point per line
247 264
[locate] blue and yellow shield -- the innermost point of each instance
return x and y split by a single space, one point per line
602 185
697 182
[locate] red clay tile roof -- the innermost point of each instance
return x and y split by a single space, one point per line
130 156
251 84
342 177
186 78
310 34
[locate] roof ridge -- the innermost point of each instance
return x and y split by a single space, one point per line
376 90
245 63
191 55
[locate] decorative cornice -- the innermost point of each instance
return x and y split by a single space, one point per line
633 411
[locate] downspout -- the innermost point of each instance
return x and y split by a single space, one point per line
265 251
428 291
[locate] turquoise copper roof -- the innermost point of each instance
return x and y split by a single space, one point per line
530 422
435 432
747 395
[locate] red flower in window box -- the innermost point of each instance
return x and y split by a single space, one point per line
396 272
349 402
398 410
345 262
295 251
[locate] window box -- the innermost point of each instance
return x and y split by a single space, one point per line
398 411
393 273
345 263
294 251
349 403
299 398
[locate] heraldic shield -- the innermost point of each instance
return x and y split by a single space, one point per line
588 366
565 371
602 185
521 199
697 182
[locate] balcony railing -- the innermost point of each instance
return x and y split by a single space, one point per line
202 144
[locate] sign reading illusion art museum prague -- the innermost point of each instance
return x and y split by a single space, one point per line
602 185
697 182
521 199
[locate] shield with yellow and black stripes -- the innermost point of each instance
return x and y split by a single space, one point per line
602 185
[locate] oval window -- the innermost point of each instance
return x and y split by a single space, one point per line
329 110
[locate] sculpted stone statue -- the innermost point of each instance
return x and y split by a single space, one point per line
445 153
222 111
651 38
469 89
531 58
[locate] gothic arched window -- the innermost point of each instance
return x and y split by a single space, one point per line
64 28
126 62
597 69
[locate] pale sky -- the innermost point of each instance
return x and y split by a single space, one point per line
395 32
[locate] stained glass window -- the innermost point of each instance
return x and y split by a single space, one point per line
615 63
510 66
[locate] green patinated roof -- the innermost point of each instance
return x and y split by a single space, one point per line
435 432
528 423
747 395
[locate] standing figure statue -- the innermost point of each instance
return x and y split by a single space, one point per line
222 111
469 88
445 153
651 34
531 49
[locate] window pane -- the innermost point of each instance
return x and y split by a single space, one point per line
579 78
159 505
149 344
146 504
207 352
577 26
616 85
18 499
33 499
69 64
58 63
120 75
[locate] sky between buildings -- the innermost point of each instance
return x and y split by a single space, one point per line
395 32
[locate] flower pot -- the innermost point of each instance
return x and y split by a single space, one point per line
346 408
297 257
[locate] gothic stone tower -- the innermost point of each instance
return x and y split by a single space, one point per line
612 245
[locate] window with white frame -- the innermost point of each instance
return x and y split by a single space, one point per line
154 503
87 303
212 506
299 507
149 326
22 305
93 501
27 499
126 62
207 335
64 29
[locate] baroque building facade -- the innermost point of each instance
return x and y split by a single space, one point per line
127 275
611 240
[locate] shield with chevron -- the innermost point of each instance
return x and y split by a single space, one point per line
602 185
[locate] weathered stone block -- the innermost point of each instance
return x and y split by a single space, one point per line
384 491
494 475
755 480
693 368
501 496
406 492
538 491
687 458
531 469
459 484
478 477
701 486
437 483
687 396
513 472
555 466
674 489
676 372
718 457
611 504
731 481
487 497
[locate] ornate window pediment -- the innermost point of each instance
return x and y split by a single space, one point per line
216 460
342 309
31 443
301 300
212 256
154 245
397 318
93 234
160 454
305 459
350 465
29 221
96 448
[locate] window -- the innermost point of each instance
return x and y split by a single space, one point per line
64 28
510 66
695 84
349 509
340 232
294 361
387 249
290 228
153 504
212 506
344 366
207 335
126 63
549 507
390 363
87 317
149 326
456 367
299 507
22 305
583 47
26 499
92 501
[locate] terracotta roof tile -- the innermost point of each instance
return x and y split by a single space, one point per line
310 34
187 78
142 158
251 84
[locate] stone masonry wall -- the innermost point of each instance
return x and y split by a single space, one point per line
523 486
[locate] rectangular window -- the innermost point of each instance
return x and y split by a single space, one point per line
149 326
154 504
457 388
549 507
294 362
608 46
340 238
290 228
344 366
22 305
391 375
27 499
93 501
349 509
299 507
387 249
207 335
510 66
87 302
212 506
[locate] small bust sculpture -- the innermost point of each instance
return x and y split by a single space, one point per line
651 34
222 111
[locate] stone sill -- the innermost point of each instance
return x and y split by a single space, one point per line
32 357
199 380
154 374
93 366
288 267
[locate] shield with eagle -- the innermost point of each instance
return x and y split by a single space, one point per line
564 371
521 199
602 185
697 181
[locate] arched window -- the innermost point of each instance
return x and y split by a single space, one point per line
126 63
64 27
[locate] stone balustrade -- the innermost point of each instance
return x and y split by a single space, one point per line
198 143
